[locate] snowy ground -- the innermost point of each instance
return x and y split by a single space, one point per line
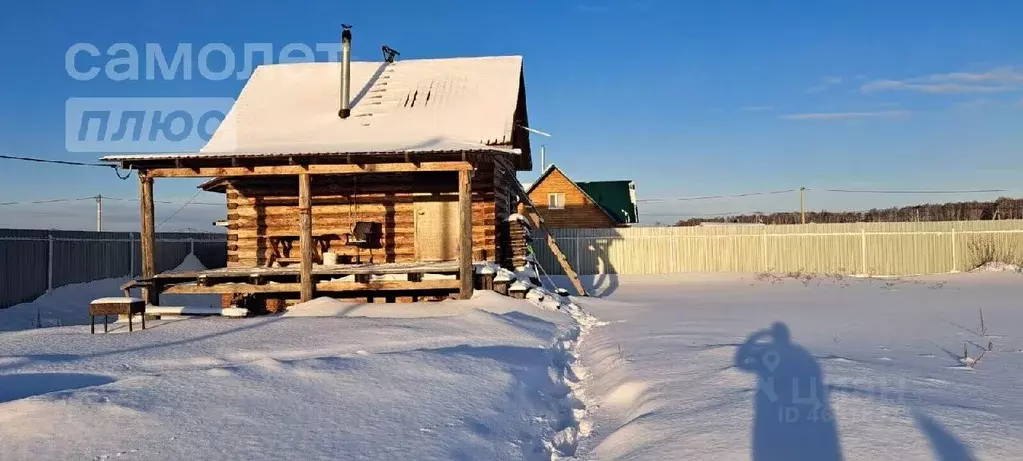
682 367
665 376
487 378
481 379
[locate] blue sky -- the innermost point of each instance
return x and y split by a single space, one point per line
686 98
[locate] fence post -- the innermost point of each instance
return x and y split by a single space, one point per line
49 263
674 255
131 253
863 250
191 245
954 249
578 255
763 250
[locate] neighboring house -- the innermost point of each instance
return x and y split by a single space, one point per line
565 204
419 179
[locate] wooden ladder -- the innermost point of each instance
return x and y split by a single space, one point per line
537 221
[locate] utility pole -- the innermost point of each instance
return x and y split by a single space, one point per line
99 212
802 204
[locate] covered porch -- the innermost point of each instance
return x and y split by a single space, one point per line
303 274
382 282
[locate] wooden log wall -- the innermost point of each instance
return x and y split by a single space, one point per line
514 249
268 206
505 204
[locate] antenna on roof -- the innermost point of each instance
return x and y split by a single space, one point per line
534 131
346 70
543 147
389 53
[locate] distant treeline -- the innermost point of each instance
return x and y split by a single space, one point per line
1002 208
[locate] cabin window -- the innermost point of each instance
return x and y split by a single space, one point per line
556 201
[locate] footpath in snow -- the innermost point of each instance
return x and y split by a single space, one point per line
488 378
697 368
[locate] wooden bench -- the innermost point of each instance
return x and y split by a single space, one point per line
116 306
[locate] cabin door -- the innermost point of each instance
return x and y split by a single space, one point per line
436 230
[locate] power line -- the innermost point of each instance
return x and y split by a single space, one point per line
179 209
117 170
709 197
60 162
872 191
713 215
193 229
848 191
169 202
55 200
61 200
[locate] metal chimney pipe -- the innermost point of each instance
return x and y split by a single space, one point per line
543 158
346 70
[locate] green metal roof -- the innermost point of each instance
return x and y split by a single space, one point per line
615 197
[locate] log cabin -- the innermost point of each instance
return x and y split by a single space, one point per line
566 204
392 193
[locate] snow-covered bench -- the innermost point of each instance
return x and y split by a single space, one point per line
116 306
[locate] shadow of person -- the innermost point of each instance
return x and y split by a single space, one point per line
946 446
605 278
792 417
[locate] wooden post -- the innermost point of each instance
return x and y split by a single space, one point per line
305 237
465 272
150 293
802 204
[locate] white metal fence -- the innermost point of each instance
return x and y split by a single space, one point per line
861 248
33 262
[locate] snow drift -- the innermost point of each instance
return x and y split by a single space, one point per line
486 378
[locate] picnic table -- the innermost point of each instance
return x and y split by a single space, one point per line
279 248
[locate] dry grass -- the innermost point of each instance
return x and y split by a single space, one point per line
981 333
988 249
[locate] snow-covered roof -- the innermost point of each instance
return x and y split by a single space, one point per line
425 105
